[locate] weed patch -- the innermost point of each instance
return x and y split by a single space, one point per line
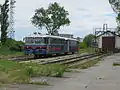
20 73
116 64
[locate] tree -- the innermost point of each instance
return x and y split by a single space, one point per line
89 39
115 4
82 45
0 13
52 18
4 21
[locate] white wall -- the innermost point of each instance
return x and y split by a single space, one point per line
117 42
100 42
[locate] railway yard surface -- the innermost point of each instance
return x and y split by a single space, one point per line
103 76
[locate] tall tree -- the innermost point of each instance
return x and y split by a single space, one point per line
0 13
115 4
89 39
4 21
52 18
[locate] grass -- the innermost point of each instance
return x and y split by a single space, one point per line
6 53
14 72
116 64
86 64
87 50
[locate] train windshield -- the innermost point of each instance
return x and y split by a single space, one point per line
34 40
39 40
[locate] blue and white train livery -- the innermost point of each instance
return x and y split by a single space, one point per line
39 44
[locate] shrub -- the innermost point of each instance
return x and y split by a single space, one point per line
14 45
15 72
82 45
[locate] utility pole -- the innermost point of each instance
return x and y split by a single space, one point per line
11 20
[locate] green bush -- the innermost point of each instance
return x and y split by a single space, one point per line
14 45
0 44
11 48
34 69
82 45
29 71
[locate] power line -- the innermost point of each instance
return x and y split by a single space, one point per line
11 20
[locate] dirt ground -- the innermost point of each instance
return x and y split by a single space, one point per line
103 76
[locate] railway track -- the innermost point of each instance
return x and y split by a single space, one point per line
31 58
75 59
67 59
52 59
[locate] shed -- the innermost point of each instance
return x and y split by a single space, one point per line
109 41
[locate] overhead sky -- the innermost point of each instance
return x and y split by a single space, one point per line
84 16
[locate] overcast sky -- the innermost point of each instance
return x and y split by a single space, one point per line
84 16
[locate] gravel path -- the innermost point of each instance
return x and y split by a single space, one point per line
104 76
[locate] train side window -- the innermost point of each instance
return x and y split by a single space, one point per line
58 41
71 42
51 40
46 40
55 41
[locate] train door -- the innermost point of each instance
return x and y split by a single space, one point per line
48 43
68 45
65 46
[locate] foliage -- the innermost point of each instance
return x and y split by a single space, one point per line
118 23
11 48
82 45
15 72
116 7
116 64
14 45
34 69
88 40
87 50
0 14
118 30
4 21
52 18
0 44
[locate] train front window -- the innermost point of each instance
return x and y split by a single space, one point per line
36 40
29 40
46 40
39 40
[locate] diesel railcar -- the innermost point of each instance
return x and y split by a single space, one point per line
38 44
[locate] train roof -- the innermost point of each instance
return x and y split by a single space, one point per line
50 36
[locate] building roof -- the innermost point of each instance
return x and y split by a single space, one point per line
109 32
51 36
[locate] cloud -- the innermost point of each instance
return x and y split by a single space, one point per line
84 15
83 10
2 1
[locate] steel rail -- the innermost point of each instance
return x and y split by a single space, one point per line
71 59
